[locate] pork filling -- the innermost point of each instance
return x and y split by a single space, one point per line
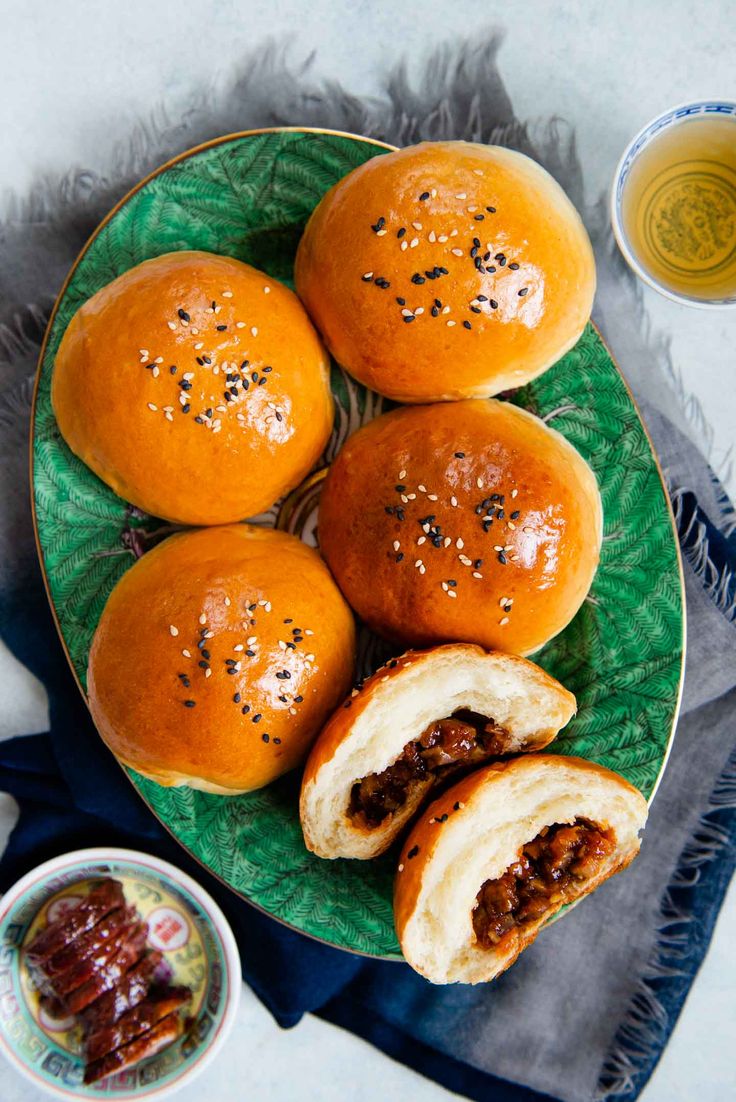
549 870
445 747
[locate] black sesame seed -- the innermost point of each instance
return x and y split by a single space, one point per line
266 370
474 251
515 515
348 704
435 312
417 278
487 256
408 318
514 267
459 455
236 698
401 301
262 382
200 361
283 699
183 315
250 653
220 328
399 487
475 309
388 509
400 557
190 703
203 665
443 271
478 563
208 413
298 699
366 277
413 852
424 196
199 420
467 325
491 210
277 742
401 232
245 709
523 291
205 654
245 365
493 304
265 736
172 369
207 360
480 217
186 407
257 717
502 558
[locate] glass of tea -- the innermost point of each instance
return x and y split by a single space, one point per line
673 203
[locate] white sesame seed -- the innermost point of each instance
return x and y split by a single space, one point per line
404 246
184 323
226 294
450 324
171 324
221 409
168 409
512 526
478 171
514 493
174 631
422 489
454 233
169 416
411 497
152 407
186 654
445 586
421 540
155 372
402 474
282 645
459 543
453 502
451 593
266 290
447 541
471 210
194 330
418 563
143 352
208 672
240 325
381 233
503 601
433 193
354 692
442 238
267 608
503 620
465 560
215 369
509 547
292 711
476 574
418 311
198 345
404 499
432 236
446 309
431 497
417 225
203 619
456 252
309 657
479 483
497 547
238 647
414 242
188 375
422 569
159 360
384 678
209 635
461 195
309 632
254 331
367 275
401 868
407 313
396 545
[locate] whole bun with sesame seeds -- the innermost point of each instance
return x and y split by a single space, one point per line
196 387
466 521
218 657
490 861
422 719
447 270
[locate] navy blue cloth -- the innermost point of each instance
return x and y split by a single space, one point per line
72 794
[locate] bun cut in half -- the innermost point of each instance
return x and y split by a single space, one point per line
462 521
498 854
422 718
447 270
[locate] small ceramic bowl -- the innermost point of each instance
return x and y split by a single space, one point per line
184 923
676 116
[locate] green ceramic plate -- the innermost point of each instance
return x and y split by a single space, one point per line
249 196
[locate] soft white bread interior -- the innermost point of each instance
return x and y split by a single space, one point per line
488 818
394 707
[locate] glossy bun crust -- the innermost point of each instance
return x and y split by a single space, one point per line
465 521
193 391
488 254
244 623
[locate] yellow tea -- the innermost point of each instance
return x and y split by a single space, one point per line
679 208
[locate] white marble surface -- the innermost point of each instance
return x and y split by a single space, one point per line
76 74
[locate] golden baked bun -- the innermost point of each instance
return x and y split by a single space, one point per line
446 270
196 387
470 521
498 854
218 657
416 722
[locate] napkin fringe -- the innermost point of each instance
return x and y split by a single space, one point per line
706 549
648 1022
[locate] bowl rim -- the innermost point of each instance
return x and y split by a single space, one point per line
211 910
615 205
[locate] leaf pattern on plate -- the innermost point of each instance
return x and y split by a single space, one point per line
250 197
